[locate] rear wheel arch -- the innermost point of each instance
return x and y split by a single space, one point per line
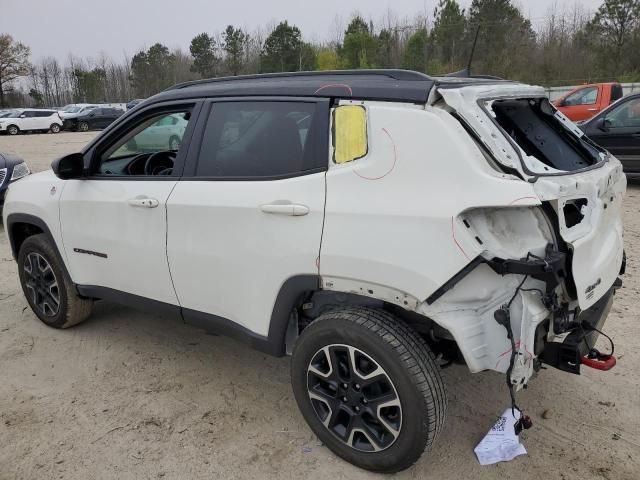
304 293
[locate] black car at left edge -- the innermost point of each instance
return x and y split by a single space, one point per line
12 168
96 118
617 128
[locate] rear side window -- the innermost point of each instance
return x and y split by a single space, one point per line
46 113
258 139
616 92
349 133
534 126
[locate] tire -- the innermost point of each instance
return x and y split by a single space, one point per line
174 143
54 128
47 286
361 341
13 130
83 127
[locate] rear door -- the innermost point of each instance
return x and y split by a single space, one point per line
29 121
248 213
621 134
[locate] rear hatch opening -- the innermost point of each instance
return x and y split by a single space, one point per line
547 142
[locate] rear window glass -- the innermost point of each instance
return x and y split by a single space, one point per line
533 125
257 139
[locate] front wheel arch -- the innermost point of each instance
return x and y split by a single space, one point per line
21 226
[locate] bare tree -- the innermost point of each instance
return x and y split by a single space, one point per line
14 62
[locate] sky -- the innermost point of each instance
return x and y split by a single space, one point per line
117 28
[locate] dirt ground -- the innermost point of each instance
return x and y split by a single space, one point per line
128 395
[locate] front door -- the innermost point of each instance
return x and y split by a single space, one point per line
114 221
620 134
247 215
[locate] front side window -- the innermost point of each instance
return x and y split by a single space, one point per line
150 148
625 115
257 139
586 96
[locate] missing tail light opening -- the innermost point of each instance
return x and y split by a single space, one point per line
533 124
573 211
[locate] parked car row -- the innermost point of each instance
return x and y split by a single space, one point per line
82 118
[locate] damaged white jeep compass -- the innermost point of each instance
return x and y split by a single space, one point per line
373 224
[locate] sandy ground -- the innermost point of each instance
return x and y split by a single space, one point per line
129 395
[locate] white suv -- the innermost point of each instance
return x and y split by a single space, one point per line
374 224
31 120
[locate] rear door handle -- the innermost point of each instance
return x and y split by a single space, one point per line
292 209
144 202
592 109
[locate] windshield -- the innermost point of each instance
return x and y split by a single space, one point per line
71 109
15 114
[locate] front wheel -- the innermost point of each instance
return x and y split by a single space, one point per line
369 387
13 130
83 126
47 287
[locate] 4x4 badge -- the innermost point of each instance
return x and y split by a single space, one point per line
590 289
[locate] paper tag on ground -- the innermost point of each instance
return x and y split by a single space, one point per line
501 443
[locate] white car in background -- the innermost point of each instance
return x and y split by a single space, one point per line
164 133
31 120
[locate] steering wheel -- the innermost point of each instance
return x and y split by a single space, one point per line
159 163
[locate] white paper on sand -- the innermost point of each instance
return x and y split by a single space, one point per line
500 444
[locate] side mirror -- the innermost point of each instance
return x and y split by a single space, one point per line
68 167
23 116
92 114
602 124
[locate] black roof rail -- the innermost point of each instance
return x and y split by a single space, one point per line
395 74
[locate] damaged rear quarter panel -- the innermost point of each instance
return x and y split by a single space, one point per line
395 219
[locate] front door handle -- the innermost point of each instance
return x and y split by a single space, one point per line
291 209
144 202
592 109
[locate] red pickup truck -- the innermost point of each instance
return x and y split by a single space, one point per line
586 101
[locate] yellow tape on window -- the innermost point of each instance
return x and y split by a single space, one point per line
350 133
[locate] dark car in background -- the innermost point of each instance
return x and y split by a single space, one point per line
12 168
96 118
617 128
133 103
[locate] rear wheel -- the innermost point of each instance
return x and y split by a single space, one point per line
369 388
13 130
47 287
54 128
83 126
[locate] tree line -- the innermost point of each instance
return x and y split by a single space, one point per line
563 47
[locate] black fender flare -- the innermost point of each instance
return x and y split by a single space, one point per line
288 298
15 218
